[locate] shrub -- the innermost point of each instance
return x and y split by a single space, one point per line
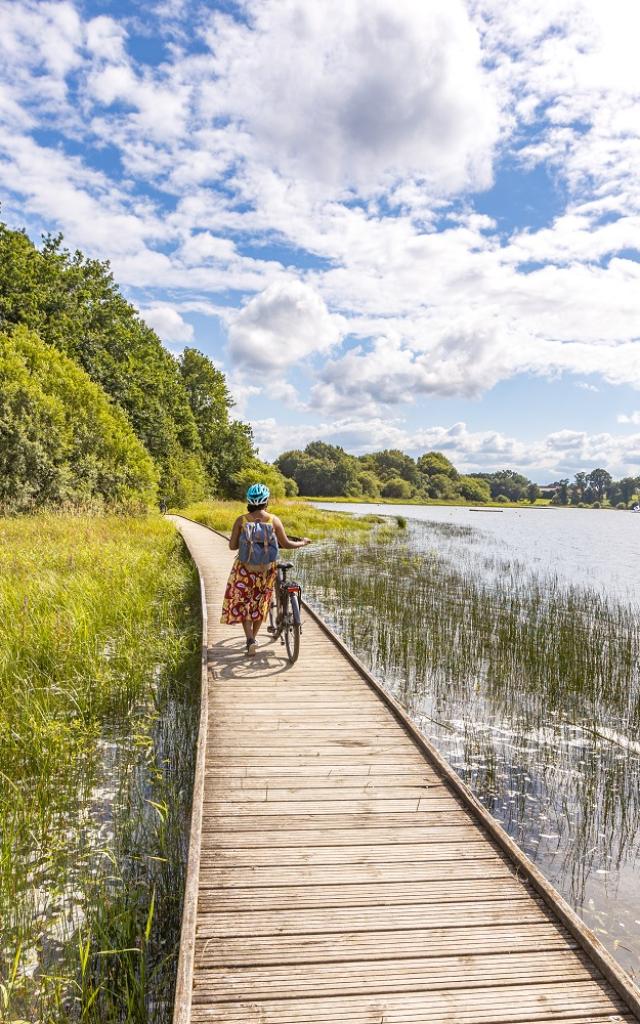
502 499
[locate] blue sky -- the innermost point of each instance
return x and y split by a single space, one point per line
392 224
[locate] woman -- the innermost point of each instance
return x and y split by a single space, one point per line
250 585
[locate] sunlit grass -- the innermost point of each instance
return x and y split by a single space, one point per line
300 519
98 664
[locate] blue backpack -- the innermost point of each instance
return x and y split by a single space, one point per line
258 543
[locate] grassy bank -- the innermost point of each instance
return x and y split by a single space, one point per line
426 502
300 519
99 644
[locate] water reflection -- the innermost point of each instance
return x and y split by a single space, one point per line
527 683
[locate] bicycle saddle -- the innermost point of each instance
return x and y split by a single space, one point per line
285 565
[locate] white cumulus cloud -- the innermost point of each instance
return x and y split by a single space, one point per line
285 323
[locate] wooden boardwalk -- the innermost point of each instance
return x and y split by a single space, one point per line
339 873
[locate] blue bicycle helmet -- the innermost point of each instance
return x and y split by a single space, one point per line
258 494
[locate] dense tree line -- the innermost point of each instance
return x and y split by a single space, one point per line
324 470
596 488
178 410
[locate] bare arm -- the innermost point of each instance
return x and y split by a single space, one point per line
283 540
234 539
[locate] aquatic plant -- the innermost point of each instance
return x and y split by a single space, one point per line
529 686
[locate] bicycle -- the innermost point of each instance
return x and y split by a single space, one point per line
285 622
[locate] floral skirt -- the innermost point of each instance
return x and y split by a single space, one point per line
248 594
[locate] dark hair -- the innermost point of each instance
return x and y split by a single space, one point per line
256 508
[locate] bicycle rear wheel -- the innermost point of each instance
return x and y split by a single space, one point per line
293 629
275 612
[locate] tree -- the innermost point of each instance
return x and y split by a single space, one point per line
442 486
474 490
627 488
61 440
369 484
599 481
561 496
580 485
226 446
322 469
73 304
255 471
396 487
506 482
533 493
392 463
432 463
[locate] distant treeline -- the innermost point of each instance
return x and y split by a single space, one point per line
94 412
325 470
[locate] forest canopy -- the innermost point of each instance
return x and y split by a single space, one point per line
179 410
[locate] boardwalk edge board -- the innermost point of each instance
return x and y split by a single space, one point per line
586 939
186 954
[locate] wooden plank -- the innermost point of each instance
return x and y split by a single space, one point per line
518 908
340 947
494 1006
331 820
217 790
437 891
293 981
346 874
318 839
490 866
365 806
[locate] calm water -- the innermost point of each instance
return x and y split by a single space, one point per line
564 781
594 547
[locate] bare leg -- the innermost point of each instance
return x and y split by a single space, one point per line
256 627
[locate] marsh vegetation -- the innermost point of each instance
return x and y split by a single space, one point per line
527 683
99 655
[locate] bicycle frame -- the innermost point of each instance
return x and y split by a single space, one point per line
285 588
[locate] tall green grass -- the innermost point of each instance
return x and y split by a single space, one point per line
99 644
299 518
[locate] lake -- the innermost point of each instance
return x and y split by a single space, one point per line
512 637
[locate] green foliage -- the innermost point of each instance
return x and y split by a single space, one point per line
474 490
322 469
61 440
254 471
432 463
369 484
392 463
533 493
290 488
396 487
227 445
74 305
506 483
178 409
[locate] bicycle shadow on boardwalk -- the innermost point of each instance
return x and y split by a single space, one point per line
227 659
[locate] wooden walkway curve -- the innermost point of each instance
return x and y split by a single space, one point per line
339 872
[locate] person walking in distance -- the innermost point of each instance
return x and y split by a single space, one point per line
257 536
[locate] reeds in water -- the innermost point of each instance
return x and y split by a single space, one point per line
530 687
